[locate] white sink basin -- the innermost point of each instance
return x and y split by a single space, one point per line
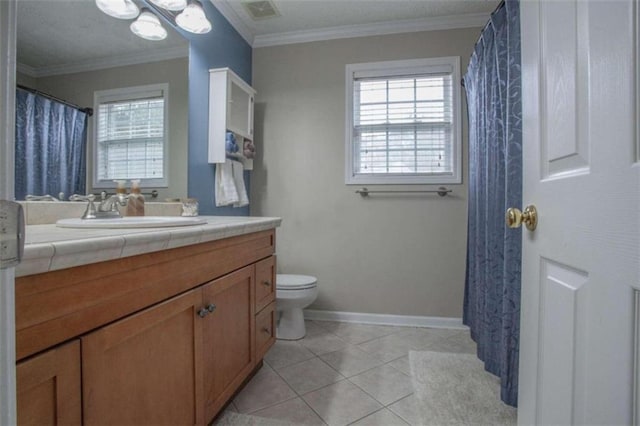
131 222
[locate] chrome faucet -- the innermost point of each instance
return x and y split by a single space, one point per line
108 207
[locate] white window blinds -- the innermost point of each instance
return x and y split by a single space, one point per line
130 136
404 125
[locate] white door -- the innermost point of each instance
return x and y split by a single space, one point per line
7 131
581 268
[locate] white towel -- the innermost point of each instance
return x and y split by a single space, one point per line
225 186
238 177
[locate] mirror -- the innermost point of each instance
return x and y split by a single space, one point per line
70 49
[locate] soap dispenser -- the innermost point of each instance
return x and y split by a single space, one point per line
135 206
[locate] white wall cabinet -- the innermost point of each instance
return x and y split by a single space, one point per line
230 109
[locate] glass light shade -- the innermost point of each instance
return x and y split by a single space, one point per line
121 9
193 19
174 5
148 26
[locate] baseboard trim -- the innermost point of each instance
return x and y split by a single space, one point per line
385 319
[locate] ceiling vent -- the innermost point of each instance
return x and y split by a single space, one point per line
260 9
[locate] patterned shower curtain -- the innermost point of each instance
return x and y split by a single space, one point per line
492 288
51 140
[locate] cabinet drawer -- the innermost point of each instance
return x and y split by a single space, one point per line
265 282
265 330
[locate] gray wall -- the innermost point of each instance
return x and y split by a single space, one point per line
79 88
399 254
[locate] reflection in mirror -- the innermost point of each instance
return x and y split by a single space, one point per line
69 50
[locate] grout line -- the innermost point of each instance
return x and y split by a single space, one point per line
298 395
272 405
398 414
365 416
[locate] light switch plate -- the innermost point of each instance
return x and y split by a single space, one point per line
11 234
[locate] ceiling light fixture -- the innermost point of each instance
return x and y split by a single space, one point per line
193 19
148 26
174 5
121 9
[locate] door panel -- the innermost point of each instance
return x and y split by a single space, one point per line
581 265
565 145
49 387
146 368
228 336
563 293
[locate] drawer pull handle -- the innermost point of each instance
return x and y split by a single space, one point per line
266 330
203 312
211 307
266 283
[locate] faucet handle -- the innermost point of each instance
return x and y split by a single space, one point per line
90 212
78 197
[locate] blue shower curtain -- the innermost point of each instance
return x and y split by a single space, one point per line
51 140
492 288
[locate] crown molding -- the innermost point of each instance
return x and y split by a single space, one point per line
107 62
26 70
232 17
381 28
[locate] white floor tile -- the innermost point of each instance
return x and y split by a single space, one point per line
341 403
295 411
351 360
322 343
265 388
384 383
383 417
309 375
407 408
284 353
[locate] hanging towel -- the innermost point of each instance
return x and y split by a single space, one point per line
238 177
225 186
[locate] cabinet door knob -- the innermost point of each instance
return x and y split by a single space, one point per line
211 307
203 312
266 283
266 330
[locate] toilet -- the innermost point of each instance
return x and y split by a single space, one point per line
293 294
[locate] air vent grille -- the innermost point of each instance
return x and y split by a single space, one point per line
261 9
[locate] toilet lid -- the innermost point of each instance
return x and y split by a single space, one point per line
294 282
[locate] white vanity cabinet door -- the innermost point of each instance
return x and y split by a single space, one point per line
230 109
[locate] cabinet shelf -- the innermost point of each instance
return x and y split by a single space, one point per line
230 109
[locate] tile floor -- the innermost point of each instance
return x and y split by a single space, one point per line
344 373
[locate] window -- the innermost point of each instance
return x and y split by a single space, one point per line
403 122
131 129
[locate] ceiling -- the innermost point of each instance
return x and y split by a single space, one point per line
308 20
62 36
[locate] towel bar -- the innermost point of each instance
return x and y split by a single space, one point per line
442 191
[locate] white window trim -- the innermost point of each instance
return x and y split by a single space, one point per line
122 94
404 67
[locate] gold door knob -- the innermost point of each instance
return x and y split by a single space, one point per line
529 217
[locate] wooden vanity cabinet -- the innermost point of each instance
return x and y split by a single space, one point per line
176 360
49 387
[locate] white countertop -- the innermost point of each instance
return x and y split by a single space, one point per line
49 248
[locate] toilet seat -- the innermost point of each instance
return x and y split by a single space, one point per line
294 282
